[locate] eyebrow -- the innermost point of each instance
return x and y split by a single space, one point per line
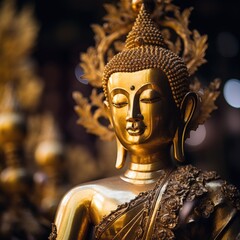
118 90
149 86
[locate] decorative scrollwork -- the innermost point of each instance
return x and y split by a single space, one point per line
53 235
91 120
118 22
232 194
208 96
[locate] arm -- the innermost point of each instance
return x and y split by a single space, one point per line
217 214
72 218
233 230
230 230
227 214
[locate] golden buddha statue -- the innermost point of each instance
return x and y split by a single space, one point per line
150 107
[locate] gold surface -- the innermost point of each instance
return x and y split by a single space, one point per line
150 110
89 203
139 115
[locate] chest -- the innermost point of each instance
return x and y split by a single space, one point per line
110 198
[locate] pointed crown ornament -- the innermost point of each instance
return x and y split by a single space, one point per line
144 32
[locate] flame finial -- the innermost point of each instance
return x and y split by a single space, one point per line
144 32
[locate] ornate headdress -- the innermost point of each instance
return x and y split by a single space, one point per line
146 40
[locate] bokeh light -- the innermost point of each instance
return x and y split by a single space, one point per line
232 117
227 44
79 74
231 92
197 137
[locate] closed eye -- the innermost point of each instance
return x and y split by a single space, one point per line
119 100
119 105
150 100
150 96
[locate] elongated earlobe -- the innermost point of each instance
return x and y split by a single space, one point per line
188 107
178 151
121 155
107 111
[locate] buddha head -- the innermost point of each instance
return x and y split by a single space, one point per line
147 94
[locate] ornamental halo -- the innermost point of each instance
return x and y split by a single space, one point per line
110 37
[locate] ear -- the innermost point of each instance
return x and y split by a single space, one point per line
107 110
188 106
187 109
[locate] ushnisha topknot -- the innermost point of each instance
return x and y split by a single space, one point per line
144 49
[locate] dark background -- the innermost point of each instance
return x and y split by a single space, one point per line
65 32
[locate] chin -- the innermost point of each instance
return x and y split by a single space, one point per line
132 140
136 143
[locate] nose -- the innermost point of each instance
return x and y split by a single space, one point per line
137 118
134 112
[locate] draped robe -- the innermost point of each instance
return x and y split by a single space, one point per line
185 204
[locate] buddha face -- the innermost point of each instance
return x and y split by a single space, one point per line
143 112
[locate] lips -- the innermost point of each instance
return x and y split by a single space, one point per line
135 129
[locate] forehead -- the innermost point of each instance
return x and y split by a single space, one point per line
137 79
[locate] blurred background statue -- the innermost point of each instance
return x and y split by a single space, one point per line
20 217
152 107
30 190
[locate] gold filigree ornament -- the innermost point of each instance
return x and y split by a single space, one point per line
110 38
18 32
53 235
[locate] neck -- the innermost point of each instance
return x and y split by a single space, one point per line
147 169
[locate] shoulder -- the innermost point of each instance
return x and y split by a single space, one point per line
86 192
206 196
204 191
199 183
190 182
